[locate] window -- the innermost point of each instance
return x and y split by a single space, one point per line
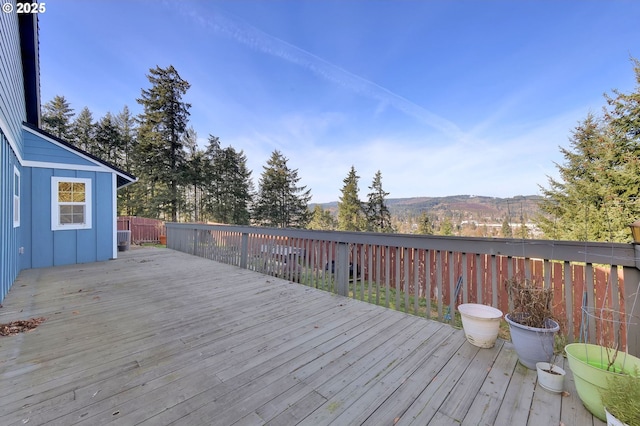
16 197
70 203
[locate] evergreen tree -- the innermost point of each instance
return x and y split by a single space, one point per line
322 220
195 172
160 145
596 197
193 176
213 185
425 226
108 142
446 228
376 210
83 130
350 212
235 187
56 118
581 205
280 202
125 123
507 232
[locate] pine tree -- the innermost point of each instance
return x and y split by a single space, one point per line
376 211
597 198
446 228
425 226
235 187
350 212
56 118
108 142
125 123
322 220
160 151
192 176
83 130
507 232
280 202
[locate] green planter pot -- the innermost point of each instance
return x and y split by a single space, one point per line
589 366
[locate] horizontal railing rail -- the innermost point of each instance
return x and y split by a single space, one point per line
431 275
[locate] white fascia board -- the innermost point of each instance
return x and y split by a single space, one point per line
12 143
48 165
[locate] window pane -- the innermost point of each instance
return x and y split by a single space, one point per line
66 215
78 214
70 214
16 189
78 192
64 192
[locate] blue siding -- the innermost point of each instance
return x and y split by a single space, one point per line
12 100
40 149
12 114
64 247
41 234
103 215
9 236
26 212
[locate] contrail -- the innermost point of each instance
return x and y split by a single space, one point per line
256 39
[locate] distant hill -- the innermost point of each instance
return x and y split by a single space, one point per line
461 210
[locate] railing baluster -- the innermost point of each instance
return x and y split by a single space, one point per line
387 274
438 274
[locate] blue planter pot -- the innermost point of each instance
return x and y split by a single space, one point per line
532 344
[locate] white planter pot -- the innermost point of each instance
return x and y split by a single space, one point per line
481 323
552 382
611 419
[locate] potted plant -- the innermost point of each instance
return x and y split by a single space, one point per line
530 322
550 375
594 367
622 399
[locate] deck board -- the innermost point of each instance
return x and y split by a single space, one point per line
159 337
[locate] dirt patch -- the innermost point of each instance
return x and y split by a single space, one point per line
14 327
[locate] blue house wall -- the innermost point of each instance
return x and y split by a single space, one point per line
32 161
9 235
12 114
44 247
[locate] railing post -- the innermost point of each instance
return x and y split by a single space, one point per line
342 269
631 288
244 250
195 242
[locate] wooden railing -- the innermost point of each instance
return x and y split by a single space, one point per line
143 230
431 275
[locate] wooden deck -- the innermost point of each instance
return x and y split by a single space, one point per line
160 337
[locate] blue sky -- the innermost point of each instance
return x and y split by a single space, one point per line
443 97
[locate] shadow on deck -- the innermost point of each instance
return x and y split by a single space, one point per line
159 337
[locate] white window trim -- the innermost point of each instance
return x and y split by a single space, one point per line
55 205
16 197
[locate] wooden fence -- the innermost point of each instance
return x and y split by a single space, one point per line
431 275
143 230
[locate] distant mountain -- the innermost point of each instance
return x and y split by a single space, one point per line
469 206
461 210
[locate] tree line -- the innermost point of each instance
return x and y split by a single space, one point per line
180 181
595 197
